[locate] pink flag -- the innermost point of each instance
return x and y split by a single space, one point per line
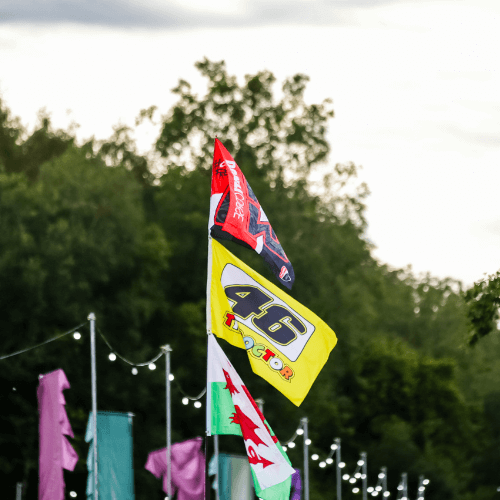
56 452
188 469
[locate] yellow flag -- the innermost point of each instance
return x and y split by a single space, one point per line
286 343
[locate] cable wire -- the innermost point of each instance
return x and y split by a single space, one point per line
125 359
43 343
195 398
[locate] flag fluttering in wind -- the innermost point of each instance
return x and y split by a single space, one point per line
56 453
236 214
287 344
188 469
231 410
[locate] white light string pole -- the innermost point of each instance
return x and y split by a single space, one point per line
383 473
91 318
167 350
422 483
364 474
306 457
404 477
338 468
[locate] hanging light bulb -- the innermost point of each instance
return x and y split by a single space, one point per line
345 477
291 444
341 465
185 401
315 456
284 448
369 489
333 447
308 442
329 461
197 404
387 493
72 494
357 475
425 482
112 356
171 377
300 432
77 336
355 490
322 464
381 475
152 366
378 488
352 480
375 493
361 462
135 371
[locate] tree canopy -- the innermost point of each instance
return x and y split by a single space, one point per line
99 226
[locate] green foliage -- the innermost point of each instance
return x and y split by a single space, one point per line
483 300
101 227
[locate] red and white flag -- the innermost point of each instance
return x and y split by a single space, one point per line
232 410
236 214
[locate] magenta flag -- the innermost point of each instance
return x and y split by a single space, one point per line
188 468
56 452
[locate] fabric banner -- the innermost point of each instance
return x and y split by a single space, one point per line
287 344
188 469
115 469
232 410
56 453
296 492
235 477
236 214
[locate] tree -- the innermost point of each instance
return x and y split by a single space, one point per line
483 300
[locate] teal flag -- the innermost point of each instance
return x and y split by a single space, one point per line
235 477
115 469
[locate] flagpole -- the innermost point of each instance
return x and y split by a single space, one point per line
208 400
364 471
167 350
306 458
91 318
337 460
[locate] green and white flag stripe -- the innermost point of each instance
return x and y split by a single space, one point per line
231 410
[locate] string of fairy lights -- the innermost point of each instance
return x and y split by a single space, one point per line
359 473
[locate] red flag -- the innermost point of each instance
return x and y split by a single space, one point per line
236 214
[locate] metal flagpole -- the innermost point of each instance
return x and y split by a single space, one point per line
339 478
384 482
306 458
364 472
260 404
91 318
216 454
167 350
208 400
405 485
19 491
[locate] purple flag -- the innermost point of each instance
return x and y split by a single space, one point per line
188 469
296 486
56 452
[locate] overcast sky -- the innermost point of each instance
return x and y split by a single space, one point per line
415 89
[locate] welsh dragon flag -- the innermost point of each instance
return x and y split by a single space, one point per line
236 214
231 410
